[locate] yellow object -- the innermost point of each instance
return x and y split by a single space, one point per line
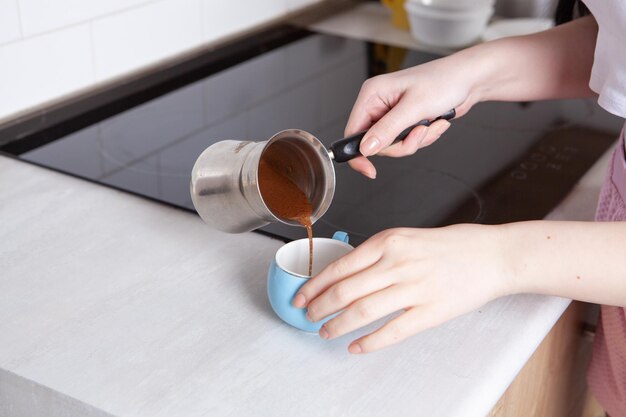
398 14
388 58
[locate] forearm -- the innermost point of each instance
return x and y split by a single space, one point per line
579 260
547 65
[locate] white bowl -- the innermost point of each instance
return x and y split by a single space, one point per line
458 5
446 28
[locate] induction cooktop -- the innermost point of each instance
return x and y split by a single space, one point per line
502 162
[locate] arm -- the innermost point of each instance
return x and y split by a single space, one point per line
551 64
580 260
435 275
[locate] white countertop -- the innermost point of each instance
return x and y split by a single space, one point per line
113 305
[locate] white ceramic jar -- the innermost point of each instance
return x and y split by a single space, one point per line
449 28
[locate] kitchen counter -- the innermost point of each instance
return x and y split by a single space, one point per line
113 305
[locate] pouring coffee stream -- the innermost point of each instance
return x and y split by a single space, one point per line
283 197
240 186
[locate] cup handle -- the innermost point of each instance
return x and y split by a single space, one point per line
342 236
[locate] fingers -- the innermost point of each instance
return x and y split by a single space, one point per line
419 138
369 106
368 310
409 145
386 115
345 292
364 166
415 320
364 256
435 131
385 130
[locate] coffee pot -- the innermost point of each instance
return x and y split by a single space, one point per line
225 182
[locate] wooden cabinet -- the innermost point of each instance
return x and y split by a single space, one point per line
552 383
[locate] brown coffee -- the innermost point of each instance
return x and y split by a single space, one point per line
285 199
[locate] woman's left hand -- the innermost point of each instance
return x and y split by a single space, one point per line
433 275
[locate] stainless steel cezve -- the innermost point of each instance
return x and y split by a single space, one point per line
225 182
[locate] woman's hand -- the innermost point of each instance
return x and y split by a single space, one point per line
433 275
388 103
552 64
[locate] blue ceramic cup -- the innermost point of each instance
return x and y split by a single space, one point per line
289 271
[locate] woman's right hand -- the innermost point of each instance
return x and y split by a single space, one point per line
388 103
555 63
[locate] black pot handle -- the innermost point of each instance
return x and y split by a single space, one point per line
348 148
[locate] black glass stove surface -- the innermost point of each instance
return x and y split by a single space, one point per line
502 162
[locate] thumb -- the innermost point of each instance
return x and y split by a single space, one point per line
387 128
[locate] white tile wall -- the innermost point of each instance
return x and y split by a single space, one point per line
9 21
221 21
298 4
44 67
51 48
44 15
125 41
